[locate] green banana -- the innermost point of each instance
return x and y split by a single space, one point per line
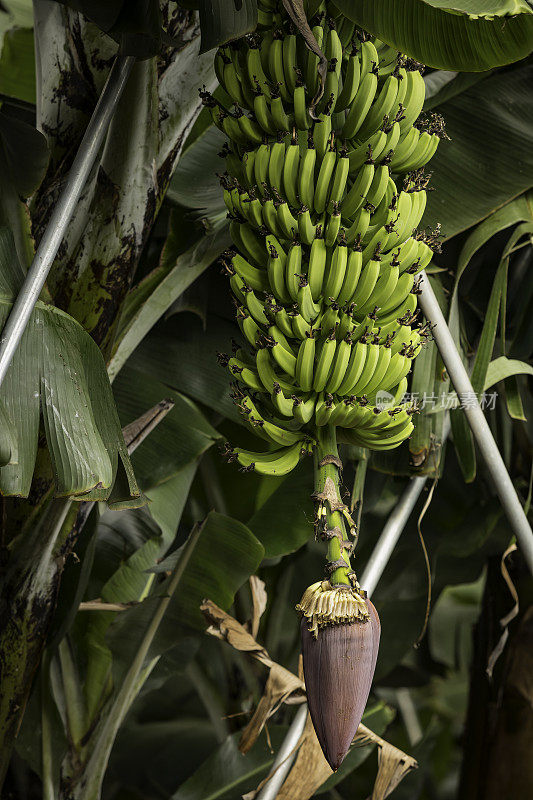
350 83
381 107
290 63
371 360
308 308
333 227
267 374
276 463
340 363
303 410
306 175
354 368
262 113
291 166
275 65
275 165
340 178
360 105
317 266
367 281
306 229
293 266
357 193
336 272
323 181
325 233
324 362
413 101
305 363
255 278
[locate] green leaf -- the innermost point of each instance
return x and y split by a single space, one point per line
15 14
464 36
59 371
442 85
25 151
482 8
8 439
183 355
226 553
504 367
23 162
182 436
490 325
167 500
450 628
127 545
145 751
166 287
513 399
518 210
462 436
464 444
227 774
126 688
17 65
224 20
284 522
489 159
194 183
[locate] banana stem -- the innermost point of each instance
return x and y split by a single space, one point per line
329 468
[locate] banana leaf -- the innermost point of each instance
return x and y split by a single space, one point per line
466 35
58 372
489 158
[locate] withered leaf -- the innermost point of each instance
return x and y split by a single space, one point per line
259 602
282 685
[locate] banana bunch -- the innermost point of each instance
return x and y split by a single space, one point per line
325 201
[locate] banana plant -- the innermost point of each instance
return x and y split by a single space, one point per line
323 191
101 250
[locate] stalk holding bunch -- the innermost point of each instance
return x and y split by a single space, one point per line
325 189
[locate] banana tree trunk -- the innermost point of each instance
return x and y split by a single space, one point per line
92 273
29 591
499 730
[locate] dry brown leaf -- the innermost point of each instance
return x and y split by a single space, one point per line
393 766
295 10
310 769
504 622
223 626
259 602
280 685
101 605
136 432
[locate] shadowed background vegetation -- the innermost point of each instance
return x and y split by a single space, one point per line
91 540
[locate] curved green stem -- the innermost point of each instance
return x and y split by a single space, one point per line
324 469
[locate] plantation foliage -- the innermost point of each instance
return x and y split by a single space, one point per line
149 643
